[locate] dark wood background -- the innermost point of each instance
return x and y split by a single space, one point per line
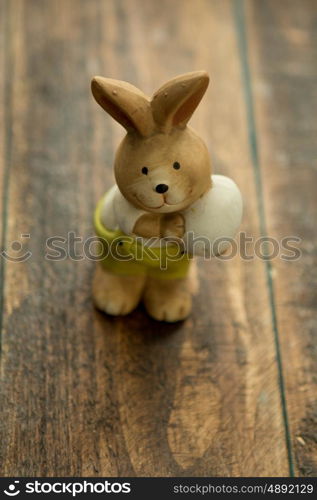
233 390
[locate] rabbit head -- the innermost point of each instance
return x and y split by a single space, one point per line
161 165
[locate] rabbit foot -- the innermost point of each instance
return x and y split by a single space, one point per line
116 295
168 300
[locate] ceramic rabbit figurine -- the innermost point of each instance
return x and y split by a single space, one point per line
165 193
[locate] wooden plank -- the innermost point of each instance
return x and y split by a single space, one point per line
84 394
3 51
283 52
4 119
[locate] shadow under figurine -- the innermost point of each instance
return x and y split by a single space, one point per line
166 207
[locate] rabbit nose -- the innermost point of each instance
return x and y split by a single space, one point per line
161 188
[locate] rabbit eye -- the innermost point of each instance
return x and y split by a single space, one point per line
176 165
145 170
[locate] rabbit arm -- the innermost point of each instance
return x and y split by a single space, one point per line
213 219
160 225
118 213
148 226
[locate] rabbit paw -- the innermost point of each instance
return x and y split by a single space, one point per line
168 300
173 225
116 295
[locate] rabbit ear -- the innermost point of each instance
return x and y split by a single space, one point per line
125 103
174 103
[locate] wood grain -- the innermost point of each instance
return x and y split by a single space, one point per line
4 139
3 117
283 51
84 394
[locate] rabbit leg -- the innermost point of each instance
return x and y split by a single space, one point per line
114 294
168 299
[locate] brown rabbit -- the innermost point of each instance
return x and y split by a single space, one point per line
164 190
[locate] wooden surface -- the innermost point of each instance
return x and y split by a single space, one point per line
230 392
